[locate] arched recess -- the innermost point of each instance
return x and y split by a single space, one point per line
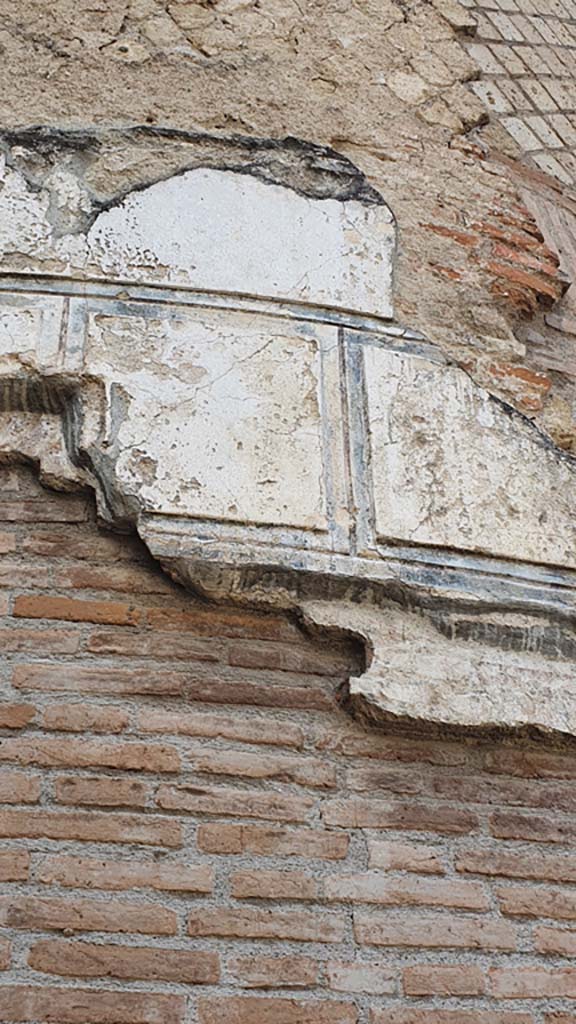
215 353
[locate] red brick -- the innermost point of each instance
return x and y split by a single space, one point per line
97 679
5 954
537 902
259 1010
91 827
135 579
360 977
438 931
401 1015
374 887
93 873
443 980
288 658
160 645
395 856
557 941
221 726
14 574
533 983
7 542
554 868
264 841
530 764
71 609
46 641
85 915
50 508
46 1005
14 865
88 960
101 791
16 716
266 694
83 718
275 972
59 753
539 283
357 813
225 622
538 828
18 787
251 923
239 803
349 742
280 767
273 885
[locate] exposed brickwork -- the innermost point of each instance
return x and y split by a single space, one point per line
173 855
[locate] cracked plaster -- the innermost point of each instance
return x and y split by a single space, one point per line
283 441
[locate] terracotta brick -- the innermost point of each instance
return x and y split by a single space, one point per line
266 694
282 768
288 658
534 828
372 979
135 579
46 641
78 678
438 931
396 856
83 718
247 1010
251 923
16 716
59 753
18 787
533 983
7 542
93 873
268 841
90 827
5 954
235 802
443 980
88 960
14 574
225 622
546 288
356 813
554 868
537 902
350 743
221 726
401 1015
374 887
71 609
530 764
556 941
275 972
14 865
50 508
273 885
101 791
4 604
48 1005
85 915
169 646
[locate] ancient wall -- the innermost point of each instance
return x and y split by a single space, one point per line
194 830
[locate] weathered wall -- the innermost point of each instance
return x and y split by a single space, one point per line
194 831
385 83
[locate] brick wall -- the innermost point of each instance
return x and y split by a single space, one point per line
194 831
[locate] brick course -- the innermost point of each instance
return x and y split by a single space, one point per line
172 856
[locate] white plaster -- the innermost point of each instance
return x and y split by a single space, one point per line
451 468
216 416
219 231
